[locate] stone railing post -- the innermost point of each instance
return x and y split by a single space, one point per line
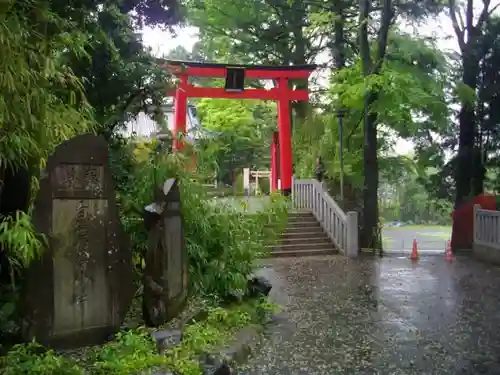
475 223
352 249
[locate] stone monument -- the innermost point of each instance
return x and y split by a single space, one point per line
166 272
78 292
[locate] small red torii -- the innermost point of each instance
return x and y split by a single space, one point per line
234 89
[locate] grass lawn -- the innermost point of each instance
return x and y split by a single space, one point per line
443 234
422 227
429 237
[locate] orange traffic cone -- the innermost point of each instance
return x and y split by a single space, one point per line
414 251
448 254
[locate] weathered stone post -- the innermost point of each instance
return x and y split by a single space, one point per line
352 234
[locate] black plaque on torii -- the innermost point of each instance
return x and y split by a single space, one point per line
235 79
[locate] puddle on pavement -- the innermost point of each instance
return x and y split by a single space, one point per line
381 316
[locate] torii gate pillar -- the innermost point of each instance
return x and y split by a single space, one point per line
180 110
285 137
274 162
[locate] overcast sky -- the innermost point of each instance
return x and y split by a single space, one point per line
162 42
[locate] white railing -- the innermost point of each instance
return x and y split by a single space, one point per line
341 228
486 227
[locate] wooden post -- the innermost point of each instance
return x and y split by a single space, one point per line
477 207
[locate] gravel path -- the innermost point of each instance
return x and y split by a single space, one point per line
382 316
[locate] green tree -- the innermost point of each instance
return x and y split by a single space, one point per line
60 67
410 102
488 110
39 86
42 104
121 77
243 131
269 32
403 197
469 25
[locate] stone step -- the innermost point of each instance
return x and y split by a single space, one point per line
303 224
299 233
303 229
306 240
302 219
303 236
300 214
303 253
302 246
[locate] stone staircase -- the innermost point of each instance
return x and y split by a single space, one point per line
303 236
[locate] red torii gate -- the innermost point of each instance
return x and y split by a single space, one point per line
234 89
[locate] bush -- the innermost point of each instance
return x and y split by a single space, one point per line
135 352
264 186
130 353
32 359
223 242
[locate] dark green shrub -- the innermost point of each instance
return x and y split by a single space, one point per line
223 242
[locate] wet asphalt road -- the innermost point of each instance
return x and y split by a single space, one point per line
431 239
381 316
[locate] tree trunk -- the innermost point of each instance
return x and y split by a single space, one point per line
339 48
479 173
339 59
465 168
299 58
469 177
465 159
301 107
370 236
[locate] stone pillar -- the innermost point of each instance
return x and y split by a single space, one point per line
352 234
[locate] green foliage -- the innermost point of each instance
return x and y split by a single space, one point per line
238 184
264 186
121 75
18 237
402 197
251 31
321 135
130 353
411 104
8 323
46 103
243 131
42 105
223 242
78 68
410 85
134 352
32 359
215 331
